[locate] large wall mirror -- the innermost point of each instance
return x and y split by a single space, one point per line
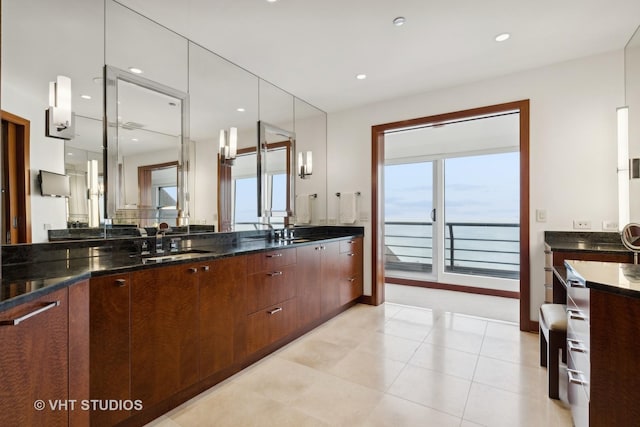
221 95
275 150
147 130
632 100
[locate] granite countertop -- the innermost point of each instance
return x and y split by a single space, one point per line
575 241
613 277
25 282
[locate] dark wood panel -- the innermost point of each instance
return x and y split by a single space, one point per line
164 338
270 287
267 326
331 277
267 261
222 313
615 384
308 279
110 344
79 350
34 363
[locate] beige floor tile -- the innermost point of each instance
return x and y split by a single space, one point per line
389 346
524 351
445 360
396 412
462 323
280 379
317 353
163 421
494 407
433 389
337 402
504 330
522 379
466 423
368 369
400 328
458 340
418 316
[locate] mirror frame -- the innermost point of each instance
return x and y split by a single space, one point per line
264 205
112 177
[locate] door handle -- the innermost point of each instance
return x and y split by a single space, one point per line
433 214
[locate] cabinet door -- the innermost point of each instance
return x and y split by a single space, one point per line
109 347
308 272
351 270
331 277
164 332
33 361
266 326
222 286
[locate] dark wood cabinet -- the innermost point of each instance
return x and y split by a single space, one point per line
222 318
350 278
164 332
110 344
43 360
309 281
330 273
271 298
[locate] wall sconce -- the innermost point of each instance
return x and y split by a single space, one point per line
305 164
228 145
623 166
59 119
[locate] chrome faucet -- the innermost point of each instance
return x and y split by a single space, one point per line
159 236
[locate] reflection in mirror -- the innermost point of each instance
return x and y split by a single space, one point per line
632 101
84 165
147 125
276 171
631 239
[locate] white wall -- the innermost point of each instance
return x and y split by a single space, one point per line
572 144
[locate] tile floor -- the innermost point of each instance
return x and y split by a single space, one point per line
390 365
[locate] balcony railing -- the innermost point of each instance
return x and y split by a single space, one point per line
485 249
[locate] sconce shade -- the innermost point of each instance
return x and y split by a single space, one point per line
305 164
59 119
228 145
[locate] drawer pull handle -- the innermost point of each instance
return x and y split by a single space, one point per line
18 320
576 314
275 310
193 270
575 377
351 254
121 282
205 268
576 346
576 283
274 255
351 242
275 273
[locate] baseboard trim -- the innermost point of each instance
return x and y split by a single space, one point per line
450 287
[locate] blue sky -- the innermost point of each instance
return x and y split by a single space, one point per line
477 189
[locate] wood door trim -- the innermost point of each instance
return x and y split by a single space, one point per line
377 163
24 198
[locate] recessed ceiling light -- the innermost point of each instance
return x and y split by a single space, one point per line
135 139
135 70
240 110
399 21
271 1
69 154
361 76
502 37
85 96
97 80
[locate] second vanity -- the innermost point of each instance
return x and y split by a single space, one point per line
133 339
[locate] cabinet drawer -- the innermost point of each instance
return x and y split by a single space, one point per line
578 398
350 289
266 326
265 261
578 296
579 360
271 287
577 324
351 245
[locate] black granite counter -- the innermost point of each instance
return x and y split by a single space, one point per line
30 271
593 241
617 278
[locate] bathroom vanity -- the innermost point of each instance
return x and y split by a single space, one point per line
103 324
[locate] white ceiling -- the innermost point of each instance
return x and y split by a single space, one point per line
314 49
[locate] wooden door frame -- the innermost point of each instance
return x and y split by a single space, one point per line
377 204
24 168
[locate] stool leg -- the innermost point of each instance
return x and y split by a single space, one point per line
554 365
543 349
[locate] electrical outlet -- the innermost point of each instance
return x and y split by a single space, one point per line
581 224
609 225
541 215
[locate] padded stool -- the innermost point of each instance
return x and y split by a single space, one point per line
553 338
